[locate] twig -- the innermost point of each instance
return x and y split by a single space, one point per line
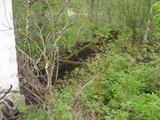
35 95
72 62
83 87
5 94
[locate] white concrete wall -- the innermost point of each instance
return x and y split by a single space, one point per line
8 63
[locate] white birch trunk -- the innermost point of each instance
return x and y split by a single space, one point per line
8 62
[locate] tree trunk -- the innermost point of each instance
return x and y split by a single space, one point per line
8 62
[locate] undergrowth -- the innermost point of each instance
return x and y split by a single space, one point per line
121 83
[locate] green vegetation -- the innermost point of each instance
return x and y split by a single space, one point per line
121 83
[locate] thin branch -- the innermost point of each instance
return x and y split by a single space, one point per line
6 93
83 87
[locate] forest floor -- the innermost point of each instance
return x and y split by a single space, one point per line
122 82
